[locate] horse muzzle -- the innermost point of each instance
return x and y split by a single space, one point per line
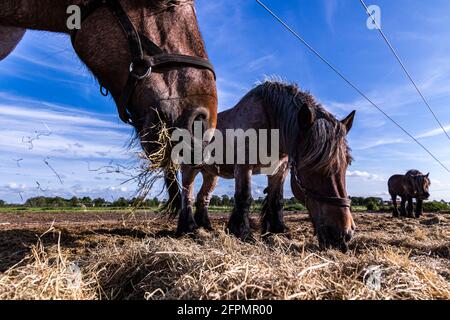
425 196
333 238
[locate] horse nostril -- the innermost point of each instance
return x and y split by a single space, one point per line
200 117
199 123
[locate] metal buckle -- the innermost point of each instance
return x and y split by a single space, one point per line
138 76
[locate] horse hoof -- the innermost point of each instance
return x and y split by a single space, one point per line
205 225
282 231
243 235
248 238
268 236
206 228
190 230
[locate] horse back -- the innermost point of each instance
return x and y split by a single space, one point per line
248 113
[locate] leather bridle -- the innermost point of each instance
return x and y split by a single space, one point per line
334 201
146 56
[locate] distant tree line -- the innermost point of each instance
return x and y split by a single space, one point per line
226 201
59 202
370 203
358 203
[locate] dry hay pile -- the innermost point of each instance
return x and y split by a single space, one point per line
217 266
45 277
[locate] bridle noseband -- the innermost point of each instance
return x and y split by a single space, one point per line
146 56
334 201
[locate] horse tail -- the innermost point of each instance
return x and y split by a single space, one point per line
390 185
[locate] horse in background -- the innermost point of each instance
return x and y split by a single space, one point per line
312 141
414 184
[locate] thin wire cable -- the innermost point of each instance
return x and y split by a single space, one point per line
350 83
408 74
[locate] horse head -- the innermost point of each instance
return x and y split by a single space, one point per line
419 184
319 172
176 91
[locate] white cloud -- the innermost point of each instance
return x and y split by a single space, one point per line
69 137
331 7
376 143
261 63
365 175
68 118
15 186
63 67
72 134
433 132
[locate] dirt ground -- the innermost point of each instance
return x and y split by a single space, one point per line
123 256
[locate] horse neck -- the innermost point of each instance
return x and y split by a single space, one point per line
46 15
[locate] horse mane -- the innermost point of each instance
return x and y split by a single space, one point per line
165 4
324 146
414 172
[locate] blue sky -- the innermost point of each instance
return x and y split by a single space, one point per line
45 90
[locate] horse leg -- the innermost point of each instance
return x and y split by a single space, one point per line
272 210
203 198
186 223
239 224
9 39
410 208
394 203
174 204
419 208
402 207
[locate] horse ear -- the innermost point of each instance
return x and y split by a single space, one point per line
427 175
348 122
306 116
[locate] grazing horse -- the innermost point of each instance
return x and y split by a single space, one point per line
149 54
413 184
311 141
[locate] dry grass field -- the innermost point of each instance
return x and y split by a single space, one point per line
106 255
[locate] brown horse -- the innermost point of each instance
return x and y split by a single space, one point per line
176 93
413 184
310 139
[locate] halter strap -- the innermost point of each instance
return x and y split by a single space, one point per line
141 65
334 201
